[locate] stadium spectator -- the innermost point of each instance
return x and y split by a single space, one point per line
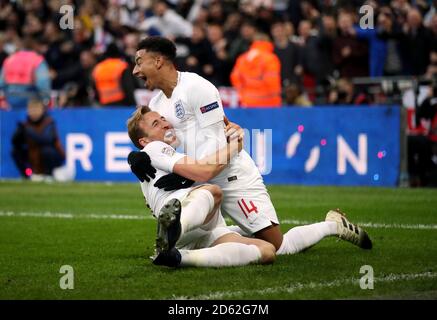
241 44
37 150
400 9
198 14
113 81
33 25
422 148
295 97
344 93
64 54
231 27
378 48
216 13
308 43
287 52
309 11
257 75
294 12
221 63
416 44
80 92
350 54
167 22
130 42
264 18
326 37
25 74
82 35
61 55
101 36
195 53
391 33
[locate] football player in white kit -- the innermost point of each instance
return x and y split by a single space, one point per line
194 108
190 226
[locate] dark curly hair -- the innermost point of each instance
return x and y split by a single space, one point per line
159 45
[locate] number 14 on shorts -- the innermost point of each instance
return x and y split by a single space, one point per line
245 207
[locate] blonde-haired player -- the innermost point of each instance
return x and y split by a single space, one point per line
191 230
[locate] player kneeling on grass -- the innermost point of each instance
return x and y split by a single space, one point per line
294 240
192 106
191 229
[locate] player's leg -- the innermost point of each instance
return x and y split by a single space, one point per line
335 224
267 250
200 206
300 238
227 249
177 218
253 211
271 234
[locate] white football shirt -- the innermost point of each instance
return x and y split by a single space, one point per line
163 158
196 112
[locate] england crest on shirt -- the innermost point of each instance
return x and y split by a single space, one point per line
179 109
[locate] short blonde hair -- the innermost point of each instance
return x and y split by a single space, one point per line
133 125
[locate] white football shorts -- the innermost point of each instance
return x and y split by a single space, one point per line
249 206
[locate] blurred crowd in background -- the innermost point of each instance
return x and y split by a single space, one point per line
266 53
318 46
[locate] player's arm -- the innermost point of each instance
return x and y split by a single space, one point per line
207 107
210 166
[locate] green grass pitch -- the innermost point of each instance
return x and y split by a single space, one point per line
46 226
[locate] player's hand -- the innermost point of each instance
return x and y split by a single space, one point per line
233 131
141 165
173 181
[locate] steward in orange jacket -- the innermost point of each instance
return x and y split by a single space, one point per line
257 76
113 81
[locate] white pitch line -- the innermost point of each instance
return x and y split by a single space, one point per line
374 225
63 215
306 286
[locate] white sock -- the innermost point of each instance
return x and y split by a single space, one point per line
303 237
222 255
195 208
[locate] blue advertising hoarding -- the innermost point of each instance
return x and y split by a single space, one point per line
312 146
